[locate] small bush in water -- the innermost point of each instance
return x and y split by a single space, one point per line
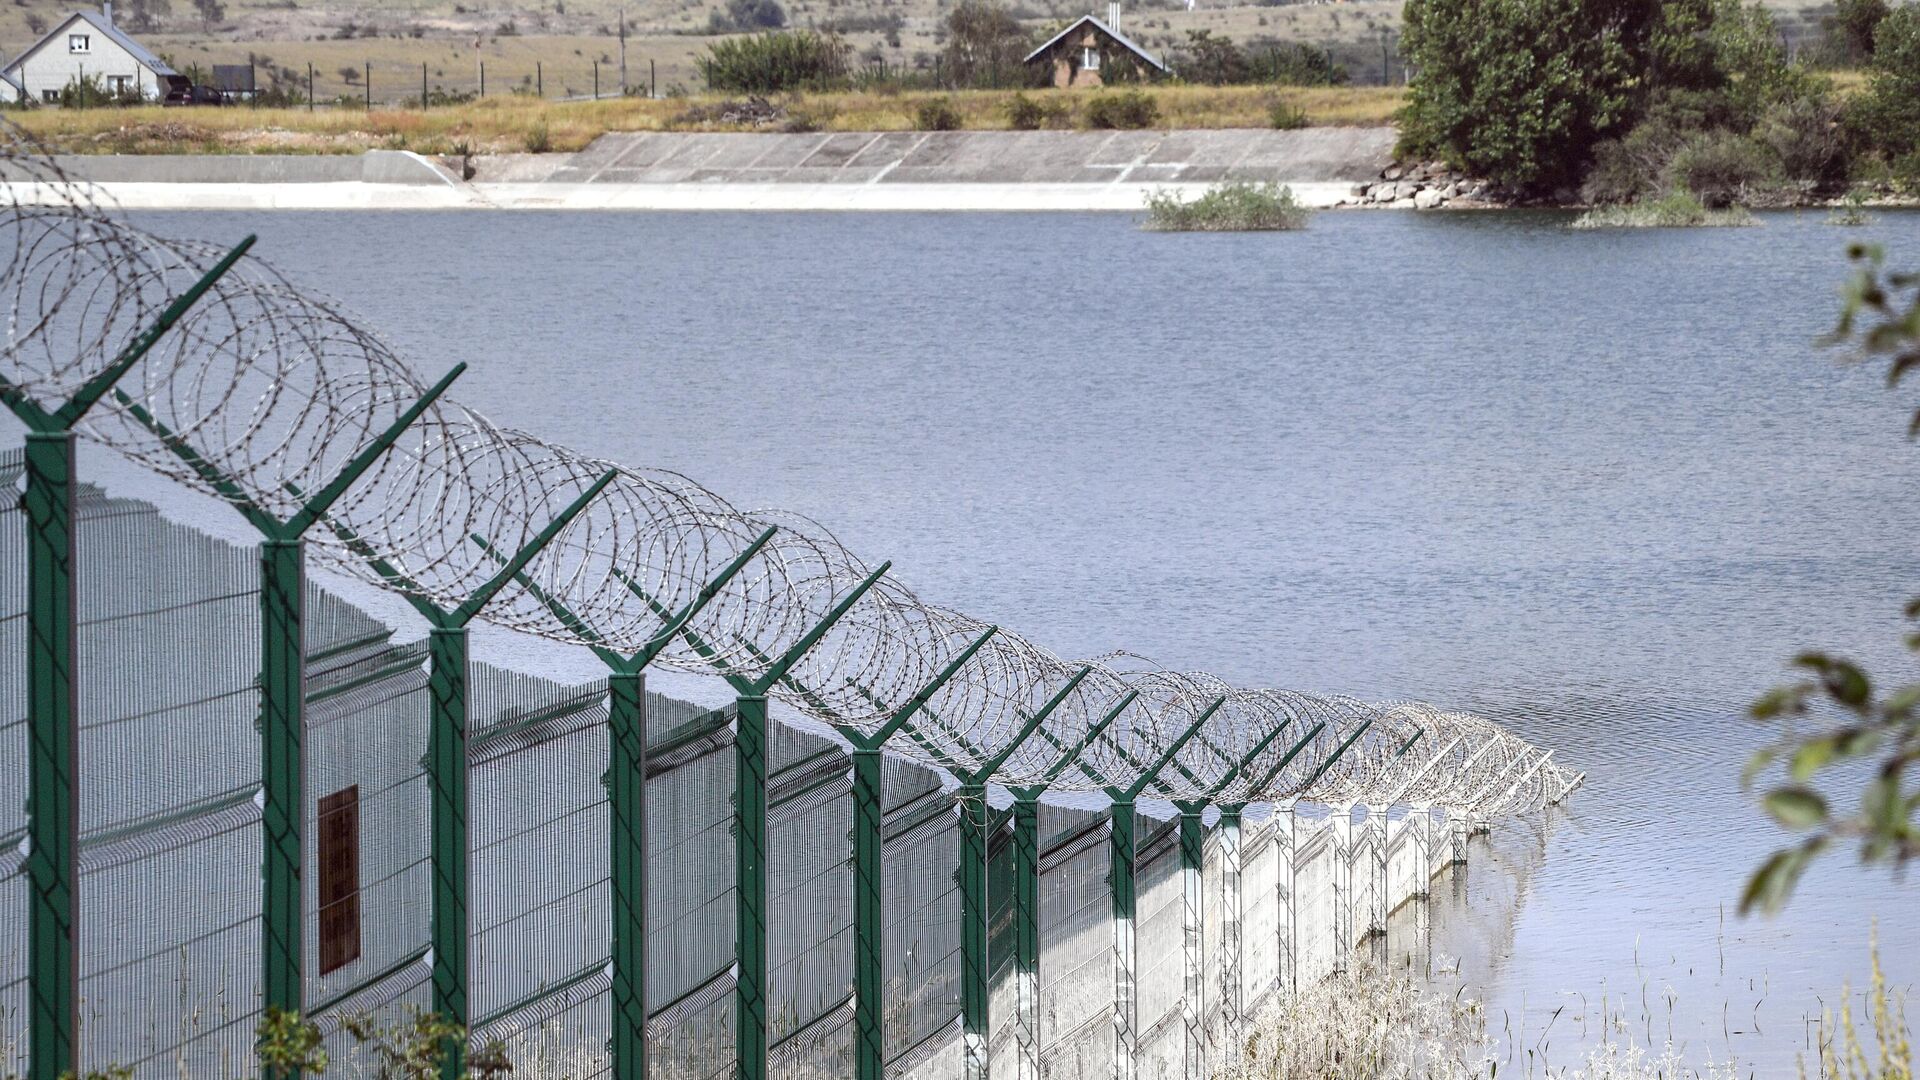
1678 210
1238 206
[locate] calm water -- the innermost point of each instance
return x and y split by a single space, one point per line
1597 486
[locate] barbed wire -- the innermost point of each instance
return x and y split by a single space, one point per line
264 391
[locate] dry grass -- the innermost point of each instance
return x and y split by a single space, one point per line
505 124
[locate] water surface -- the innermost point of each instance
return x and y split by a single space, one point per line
1596 485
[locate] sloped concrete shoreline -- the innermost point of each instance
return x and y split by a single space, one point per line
870 171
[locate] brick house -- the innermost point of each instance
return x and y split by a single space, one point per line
1088 47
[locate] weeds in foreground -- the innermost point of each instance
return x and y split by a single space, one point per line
1238 206
1677 210
1843 1056
1366 1024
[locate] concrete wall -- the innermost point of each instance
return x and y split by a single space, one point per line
372 167
1323 155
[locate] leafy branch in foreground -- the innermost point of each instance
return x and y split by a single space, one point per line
1876 728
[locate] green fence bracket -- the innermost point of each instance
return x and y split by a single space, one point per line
53 802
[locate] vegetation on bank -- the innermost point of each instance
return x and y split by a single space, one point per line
1678 209
497 125
1626 102
1239 206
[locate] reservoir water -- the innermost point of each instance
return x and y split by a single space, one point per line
1598 486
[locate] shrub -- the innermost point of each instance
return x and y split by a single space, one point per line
1408 1032
1806 136
1128 109
1286 116
1854 24
1295 65
986 45
1216 61
1026 114
1677 210
539 139
775 63
937 114
1236 206
1720 168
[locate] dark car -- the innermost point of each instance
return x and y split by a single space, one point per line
195 95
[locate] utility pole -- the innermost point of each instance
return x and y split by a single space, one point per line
623 50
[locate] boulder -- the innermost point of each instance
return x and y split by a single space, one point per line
1427 199
1401 204
1405 189
1357 190
1393 172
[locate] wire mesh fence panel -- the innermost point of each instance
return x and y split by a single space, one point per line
690 894
366 734
166 661
1160 918
1076 946
1003 989
540 854
1259 914
921 962
1313 892
13 778
809 907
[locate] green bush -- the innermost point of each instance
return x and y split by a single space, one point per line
1237 206
1127 109
936 114
1678 210
1887 117
1286 116
90 92
1295 65
1026 114
774 63
539 139
1720 168
1807 137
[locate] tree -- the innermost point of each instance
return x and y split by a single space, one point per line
1516 90
211 11
986 45
1216 61
1854 23
350 73
144 16
1854 722
1887 116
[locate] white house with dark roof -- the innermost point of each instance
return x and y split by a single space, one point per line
88 44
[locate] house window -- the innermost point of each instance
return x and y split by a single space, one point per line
51 97
339 879
79 43
119 84
1090 59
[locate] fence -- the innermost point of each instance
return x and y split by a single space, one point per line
472 831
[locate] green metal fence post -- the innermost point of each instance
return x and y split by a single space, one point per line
1193 840
975 985
626 813
53 808
869 1059
750 883
1232 911
283 775
447 786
